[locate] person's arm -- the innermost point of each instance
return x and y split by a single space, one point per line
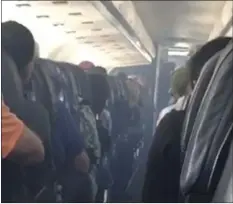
19 143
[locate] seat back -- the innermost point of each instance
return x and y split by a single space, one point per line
211 136
82 82
36 118
224 191
196 99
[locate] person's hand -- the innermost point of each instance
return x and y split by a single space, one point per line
82 162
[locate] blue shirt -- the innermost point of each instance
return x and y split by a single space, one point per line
67 141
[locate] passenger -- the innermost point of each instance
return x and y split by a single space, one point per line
180 89
163 168
86 65
19 143
127 145
69 153
97 70
100 94
19 43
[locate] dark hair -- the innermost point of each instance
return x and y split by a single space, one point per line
18 42
97 70
100 91
198 60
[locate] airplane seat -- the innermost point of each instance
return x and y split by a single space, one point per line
56 82
111 95
47 96
84 115
12 88
70 80
211 137
83 83
196 99
28 112
114 106
224 190
13 97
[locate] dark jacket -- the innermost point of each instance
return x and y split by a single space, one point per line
163 168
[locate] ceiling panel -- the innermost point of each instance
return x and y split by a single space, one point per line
76 28
168 22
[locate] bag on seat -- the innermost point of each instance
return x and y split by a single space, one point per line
211 136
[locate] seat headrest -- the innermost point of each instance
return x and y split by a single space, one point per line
47 69
67 68
196 98
83 82
11 82
211 135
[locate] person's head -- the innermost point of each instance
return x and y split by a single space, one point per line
19 43
179 83
100 92
134 92
86 65
201 56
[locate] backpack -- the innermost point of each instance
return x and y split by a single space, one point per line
89 130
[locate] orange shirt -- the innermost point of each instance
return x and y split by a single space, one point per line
12 129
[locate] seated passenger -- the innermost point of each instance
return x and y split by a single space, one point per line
86 65
164 167
180 89
19 143
100 93
97 70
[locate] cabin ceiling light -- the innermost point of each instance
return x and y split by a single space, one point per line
182 45
177 53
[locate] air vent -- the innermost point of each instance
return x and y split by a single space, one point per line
42 16
71 32
104 36
96 29
75 14
96 46
80 38
110 41
23 5
88 42
87 22
58 24
59 2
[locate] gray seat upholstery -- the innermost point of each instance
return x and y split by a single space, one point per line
195 101
224 191
211 136
36 118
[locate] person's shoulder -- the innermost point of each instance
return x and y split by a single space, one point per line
174 117
164 112
12 130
